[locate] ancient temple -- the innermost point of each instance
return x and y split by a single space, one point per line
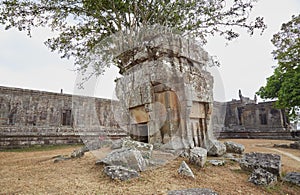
167 92
247 118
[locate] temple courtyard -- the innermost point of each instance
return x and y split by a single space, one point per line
34 172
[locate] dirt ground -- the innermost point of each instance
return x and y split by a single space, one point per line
36 173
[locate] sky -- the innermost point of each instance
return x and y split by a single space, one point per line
245 62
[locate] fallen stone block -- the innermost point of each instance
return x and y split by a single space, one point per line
295 145
125 157
79 152
60 158
121 173
232 147
293 177
281 146
268 162
217 162
184 154
216 148
198 156
262 177
193 191
145 148
185 170
232 157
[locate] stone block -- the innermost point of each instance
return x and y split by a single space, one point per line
262 177
216 148
281 146
292 177
295 145
232 147
217 162
268 162
125 157
79 152
198 156
185 170
121 173
144 148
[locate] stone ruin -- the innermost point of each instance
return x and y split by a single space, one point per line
166 93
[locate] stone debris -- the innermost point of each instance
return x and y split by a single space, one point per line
60 158
216 148
145 148
293 177
121 173
125 157
198 156
281 146
185 170
295 145
232 157
79 152
232 147
262 177
184 154
217 162
268 162
193 191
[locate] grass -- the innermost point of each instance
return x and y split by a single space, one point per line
41 148
273 189
239 171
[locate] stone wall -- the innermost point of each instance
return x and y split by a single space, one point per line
30 117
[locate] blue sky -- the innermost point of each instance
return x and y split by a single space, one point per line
245 63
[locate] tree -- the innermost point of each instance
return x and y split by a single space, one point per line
284 84
82 24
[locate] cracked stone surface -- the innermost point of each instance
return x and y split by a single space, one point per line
121 173
125 157
232 147
268 162
292 177
262 177
198 156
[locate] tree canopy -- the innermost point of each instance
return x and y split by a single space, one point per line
284 84
82 24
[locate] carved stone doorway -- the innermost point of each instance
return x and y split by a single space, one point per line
139 124
170 116
198 123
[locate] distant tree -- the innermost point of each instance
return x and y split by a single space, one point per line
82 24
284 84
